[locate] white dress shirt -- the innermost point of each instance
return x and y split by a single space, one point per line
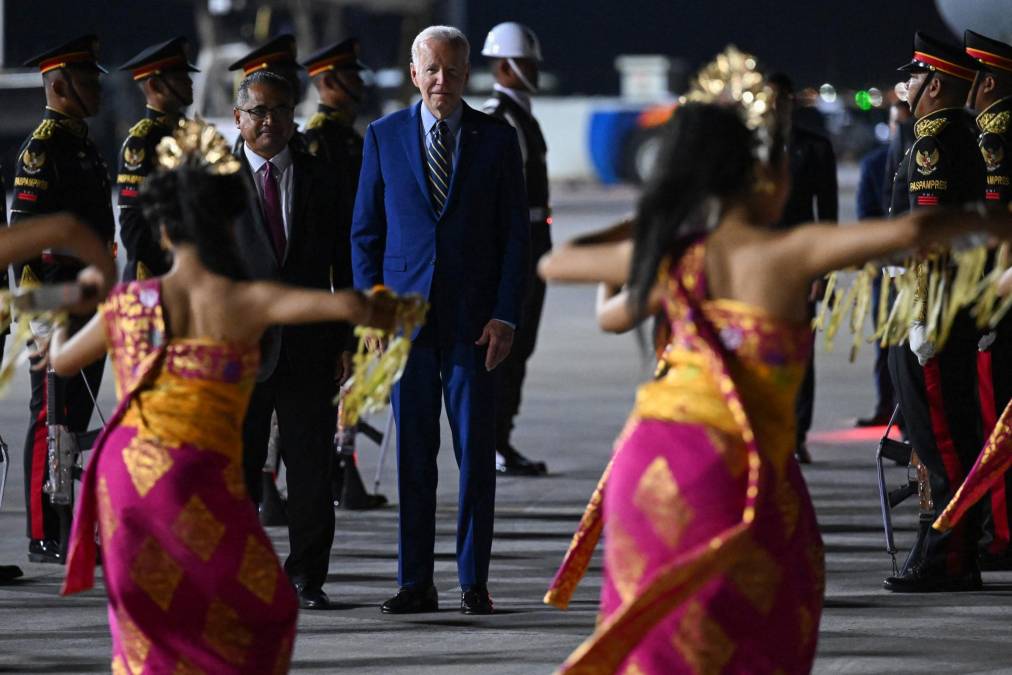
283 166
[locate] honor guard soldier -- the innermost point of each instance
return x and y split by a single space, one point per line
991 97
330 134
336 72
279 57
516 55
60 169
163 73
937 391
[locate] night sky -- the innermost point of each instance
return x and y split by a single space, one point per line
854 44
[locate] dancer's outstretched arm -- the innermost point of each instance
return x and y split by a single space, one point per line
277 303
815 250
29 238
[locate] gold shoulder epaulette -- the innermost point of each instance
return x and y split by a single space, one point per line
141 129
44 130
930 127
994 123
316 121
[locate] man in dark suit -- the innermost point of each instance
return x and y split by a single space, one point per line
295 231
441 211
813 198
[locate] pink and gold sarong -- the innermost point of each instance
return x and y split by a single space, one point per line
193 582
713 561
988 471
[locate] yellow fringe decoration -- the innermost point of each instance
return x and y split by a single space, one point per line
21 335
368 390
931 291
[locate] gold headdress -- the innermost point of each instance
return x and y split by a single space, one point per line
198 144
734 79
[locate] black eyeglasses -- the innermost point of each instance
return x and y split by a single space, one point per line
261 112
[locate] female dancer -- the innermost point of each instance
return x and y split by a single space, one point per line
193 582
713 562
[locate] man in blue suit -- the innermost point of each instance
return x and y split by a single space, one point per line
441 211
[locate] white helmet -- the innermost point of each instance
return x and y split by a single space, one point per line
512 40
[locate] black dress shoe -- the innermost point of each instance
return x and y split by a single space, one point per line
45 551
9 573
312 598
412 601
922 579
476 601
876 420
510 462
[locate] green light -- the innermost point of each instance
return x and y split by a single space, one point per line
863 99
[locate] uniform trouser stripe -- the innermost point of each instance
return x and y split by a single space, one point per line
946 447
989 418
39 450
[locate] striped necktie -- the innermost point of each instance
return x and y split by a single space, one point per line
440 168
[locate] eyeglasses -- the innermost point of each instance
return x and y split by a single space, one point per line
261 112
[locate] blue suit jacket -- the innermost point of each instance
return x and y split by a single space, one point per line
471 261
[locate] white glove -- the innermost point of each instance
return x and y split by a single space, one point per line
919 343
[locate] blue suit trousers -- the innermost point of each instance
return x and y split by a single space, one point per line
454 372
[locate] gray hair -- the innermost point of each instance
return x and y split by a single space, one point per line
263 78
442 34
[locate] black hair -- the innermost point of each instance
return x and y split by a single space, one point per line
263 78
197 207
707 153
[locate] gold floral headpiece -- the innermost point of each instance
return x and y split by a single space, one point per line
199 144
734 79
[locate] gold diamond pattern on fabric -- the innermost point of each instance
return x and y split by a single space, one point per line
757 576
633 668
788 504
805 627
184 667
118 667
146 461
197 527
731 450
225 633
134 644
258 571
235 483
658 497
701 642
107 522
623 559
156 573
284 657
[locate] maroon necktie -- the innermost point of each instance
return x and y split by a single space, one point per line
272 211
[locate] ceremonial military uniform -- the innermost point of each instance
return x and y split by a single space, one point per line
330 133
277 56
511 372
994 358
938 399
59 169
145 256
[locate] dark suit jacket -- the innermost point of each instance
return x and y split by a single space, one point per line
471 260
317 244
813 194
